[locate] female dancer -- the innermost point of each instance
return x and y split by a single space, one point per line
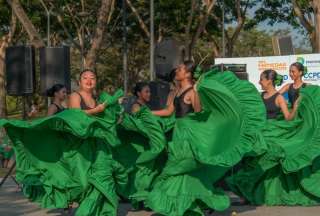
273 100
196 158
84 98
297 70
285 174
186 99
142 92
58 92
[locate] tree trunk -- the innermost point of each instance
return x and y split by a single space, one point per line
216 49
316 11
203 20
200 28
307 24
6 40
188 54
2 78
143 26
33 34
102 20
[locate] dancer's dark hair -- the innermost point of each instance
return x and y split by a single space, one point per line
139 87
55 88
300 67
85 70
190 66
276 78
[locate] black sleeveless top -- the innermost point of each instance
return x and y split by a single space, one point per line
293 93
180 106
59 109
270 103
83 105
136 103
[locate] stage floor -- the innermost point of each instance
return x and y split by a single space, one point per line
12 203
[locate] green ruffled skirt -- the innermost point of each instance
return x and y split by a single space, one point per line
206 145
288 173
67 158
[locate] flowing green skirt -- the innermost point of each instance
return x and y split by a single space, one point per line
68 158
206 145
288 173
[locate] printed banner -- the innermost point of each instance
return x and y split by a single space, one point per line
281 64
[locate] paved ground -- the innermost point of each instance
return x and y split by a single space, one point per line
12 203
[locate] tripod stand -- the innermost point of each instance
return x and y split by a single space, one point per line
9 174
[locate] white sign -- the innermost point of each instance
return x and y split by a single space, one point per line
281 64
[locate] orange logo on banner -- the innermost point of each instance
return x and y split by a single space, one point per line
263 65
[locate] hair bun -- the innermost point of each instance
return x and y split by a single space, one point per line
278 80
50 92
305 70
55 88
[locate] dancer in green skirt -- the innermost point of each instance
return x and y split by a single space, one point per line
58 93
142 93
67 157
206 144
297 71
288 173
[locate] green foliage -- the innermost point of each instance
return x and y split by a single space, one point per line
4 17
254 43
171 20
275 11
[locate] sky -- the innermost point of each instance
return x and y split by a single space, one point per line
298 36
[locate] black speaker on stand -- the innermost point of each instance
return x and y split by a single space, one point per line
240 70
20 70
54 67
159 94
20 81
168 55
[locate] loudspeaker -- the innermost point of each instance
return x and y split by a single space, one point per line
20 70
240 70
159 94
282 45
168 55
54 67
128 102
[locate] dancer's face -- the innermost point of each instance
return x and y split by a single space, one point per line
295 74
88 81
182 73
264 82
61 95
145 94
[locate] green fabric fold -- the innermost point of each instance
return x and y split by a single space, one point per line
287 172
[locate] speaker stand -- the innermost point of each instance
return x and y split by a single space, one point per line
8 174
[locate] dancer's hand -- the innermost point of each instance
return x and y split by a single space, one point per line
100 107
110 100
296 104
120 100
195 87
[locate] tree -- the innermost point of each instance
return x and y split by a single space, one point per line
4 42
102 20
34 36
298 13
175 16
253 43
95 41
235 18
308 13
